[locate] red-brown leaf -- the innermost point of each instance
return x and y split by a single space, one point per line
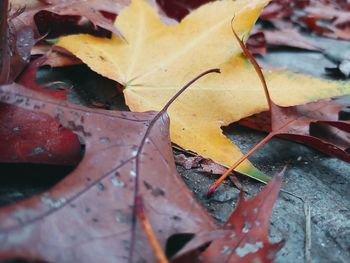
56 14
89 216
327 18
16 41
323 125
5 48
55 56
33 137
178 9
246 231
283 38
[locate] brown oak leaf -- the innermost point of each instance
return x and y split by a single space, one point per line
89 216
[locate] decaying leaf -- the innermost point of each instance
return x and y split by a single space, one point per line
327 18
156 58
88 216
249 222
4 43
282 38
199 163
246 236
323 125
32 137
16 41
42 13
55 56
290 121
27 136
178 9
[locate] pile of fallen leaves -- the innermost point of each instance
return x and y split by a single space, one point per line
324 17
125 202
289 23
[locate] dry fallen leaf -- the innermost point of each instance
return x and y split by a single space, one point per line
89 216
27 136
323 125
156 59
69 10
316 124
324 17
282 38
250 223
92 215
178 9
246 232
16 41
55 56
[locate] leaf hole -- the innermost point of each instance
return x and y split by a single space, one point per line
176 242
37 152
22 180
344 114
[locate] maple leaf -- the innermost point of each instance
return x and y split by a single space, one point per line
156 59
90 215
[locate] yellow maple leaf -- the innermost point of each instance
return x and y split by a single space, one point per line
158 59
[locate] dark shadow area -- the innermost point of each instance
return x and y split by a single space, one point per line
85 87
19 181
176 242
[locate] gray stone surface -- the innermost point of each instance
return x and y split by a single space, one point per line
321 181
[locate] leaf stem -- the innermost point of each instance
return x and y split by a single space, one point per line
257 68
255 64
165 108
215 185
150 234
141 214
